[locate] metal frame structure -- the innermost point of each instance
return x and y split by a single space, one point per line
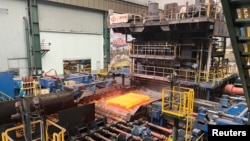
235 22
34 31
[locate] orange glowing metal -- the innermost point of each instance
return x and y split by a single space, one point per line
129 100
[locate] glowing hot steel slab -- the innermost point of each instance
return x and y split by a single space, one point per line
129 100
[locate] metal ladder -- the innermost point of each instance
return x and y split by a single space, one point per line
237 15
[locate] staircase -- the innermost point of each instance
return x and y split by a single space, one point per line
237 15
4 97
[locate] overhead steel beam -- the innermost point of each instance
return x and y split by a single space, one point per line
106 45
106 5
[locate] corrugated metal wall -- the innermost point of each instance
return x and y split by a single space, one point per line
74 33
67 19
117 6
13 53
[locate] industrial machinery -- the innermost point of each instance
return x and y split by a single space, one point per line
230 111
53 82
180 49
184 47
191 46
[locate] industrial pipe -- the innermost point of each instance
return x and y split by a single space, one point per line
180 125
243 112
124 127
158 136
101 137
109 133
202 103
123 132
118 130
226 115
169 131
154 134
230 89
195 114
89 138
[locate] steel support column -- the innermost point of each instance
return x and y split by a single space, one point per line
208 93
209 59
234 23
106 37
27 31
175 129
35 34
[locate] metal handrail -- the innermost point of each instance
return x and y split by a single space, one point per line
181 101
200 138
196 76
6 135
204 10
55 136
5 97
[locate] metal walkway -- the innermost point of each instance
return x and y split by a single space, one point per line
237 13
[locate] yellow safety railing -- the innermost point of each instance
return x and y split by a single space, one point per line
120 65
187 74
200 138
4 97
3 137
178 101
55 136
102 73
214 76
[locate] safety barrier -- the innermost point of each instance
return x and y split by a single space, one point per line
208 10
4 97
201 10
214 76
55 136
178 101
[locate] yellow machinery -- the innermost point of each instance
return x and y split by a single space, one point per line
59 136
178 103
114 68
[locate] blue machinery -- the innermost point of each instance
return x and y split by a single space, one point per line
231 111
74 82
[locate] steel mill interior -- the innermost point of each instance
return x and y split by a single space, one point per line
122 70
